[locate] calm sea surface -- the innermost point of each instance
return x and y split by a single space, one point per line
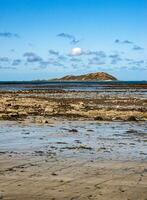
77 86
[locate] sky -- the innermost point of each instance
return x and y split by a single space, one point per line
44 39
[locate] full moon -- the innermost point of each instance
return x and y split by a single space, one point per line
76 51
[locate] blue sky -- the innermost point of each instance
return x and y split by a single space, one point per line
42 39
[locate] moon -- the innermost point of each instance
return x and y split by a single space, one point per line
76 51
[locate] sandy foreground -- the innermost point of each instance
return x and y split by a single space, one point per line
73 160
25 177
73 145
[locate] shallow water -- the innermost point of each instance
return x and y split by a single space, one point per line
105 140
70 85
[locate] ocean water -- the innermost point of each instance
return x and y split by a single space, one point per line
73 85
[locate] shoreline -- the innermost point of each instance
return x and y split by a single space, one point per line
73 145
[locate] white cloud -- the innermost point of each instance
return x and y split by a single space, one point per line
76 51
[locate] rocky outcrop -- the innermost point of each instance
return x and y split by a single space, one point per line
16 106
89 77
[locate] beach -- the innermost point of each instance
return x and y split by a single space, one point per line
64 141
73 100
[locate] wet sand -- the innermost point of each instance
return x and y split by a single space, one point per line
73 160
74 145
49 178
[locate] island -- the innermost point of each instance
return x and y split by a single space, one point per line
98 76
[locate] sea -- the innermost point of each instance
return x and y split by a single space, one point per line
71 85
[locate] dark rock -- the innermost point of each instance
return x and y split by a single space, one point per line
90 130
99 118
40 153
131 118
73 130
1 196
54 174
26 133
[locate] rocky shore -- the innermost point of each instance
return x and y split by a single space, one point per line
103 106
72 143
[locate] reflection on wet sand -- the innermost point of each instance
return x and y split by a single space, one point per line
83 139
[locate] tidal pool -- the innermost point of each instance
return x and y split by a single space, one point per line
82 139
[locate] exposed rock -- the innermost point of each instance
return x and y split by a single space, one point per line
73 130
71 105
99 118
54 174
80 147
1 196
131 118
89 77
